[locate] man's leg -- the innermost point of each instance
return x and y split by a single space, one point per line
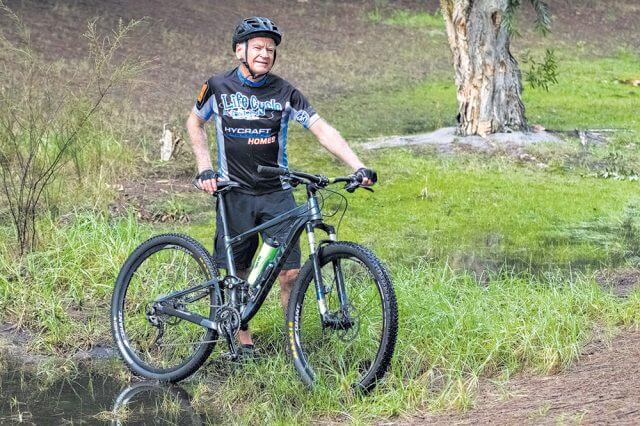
240 217
286 277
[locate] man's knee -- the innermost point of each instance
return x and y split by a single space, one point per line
288 276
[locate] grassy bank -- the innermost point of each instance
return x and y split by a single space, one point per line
453 330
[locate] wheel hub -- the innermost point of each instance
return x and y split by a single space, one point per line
345 322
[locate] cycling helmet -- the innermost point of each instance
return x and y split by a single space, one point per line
255 26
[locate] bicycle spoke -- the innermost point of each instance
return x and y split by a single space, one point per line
158 342
338 354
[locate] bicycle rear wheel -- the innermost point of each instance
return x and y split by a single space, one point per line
155 345
357 347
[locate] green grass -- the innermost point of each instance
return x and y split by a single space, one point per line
446 208
478 210
413 109
408 19
486 213
62 291
589 95
452 332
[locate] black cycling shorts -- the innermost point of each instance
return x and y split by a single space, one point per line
246 211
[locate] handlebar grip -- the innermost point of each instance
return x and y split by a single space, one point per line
272 171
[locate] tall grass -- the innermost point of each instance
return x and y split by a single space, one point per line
452 333
61 292
44 112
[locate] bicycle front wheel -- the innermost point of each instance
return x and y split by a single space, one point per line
354 342
152 344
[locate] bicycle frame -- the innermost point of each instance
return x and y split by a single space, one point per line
306 217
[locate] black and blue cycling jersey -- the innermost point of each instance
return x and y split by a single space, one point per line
251 121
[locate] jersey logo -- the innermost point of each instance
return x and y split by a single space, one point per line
246 132
202 92
302 117
203 96
241 107
261 141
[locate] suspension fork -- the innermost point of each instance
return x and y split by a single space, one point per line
317 275
342 292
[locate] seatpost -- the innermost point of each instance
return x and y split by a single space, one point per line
231 267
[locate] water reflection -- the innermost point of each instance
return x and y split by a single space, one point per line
91 397
151 402
53 396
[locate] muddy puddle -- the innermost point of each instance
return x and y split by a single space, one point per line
89 397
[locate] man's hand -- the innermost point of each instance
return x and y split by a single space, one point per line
369 176
208 181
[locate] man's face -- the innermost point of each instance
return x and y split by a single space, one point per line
260 54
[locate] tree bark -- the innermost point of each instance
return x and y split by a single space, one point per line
487 76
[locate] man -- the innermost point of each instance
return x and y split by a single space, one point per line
251 110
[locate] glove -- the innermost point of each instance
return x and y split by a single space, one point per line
367 173
207 175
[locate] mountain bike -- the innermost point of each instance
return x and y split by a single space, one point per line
170 305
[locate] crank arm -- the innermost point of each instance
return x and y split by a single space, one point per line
231 341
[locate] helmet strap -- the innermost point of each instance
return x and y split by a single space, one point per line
246 61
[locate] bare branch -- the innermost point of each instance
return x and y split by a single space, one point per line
43 122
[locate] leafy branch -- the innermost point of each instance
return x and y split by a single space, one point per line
541 74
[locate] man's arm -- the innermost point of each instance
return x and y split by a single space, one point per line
333 141
200 146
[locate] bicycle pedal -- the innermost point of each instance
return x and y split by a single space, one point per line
243 355
228 356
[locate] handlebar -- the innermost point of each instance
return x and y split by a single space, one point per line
352 181
221 184
272 171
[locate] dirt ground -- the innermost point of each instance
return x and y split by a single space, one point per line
192 41
603 387
330 48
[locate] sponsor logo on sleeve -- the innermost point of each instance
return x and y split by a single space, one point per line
302 117
203 96
203 90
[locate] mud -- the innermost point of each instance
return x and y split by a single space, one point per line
603 387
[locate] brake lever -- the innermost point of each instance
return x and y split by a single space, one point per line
293 181
351 186
356 183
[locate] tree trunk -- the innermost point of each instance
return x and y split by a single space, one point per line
486 74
